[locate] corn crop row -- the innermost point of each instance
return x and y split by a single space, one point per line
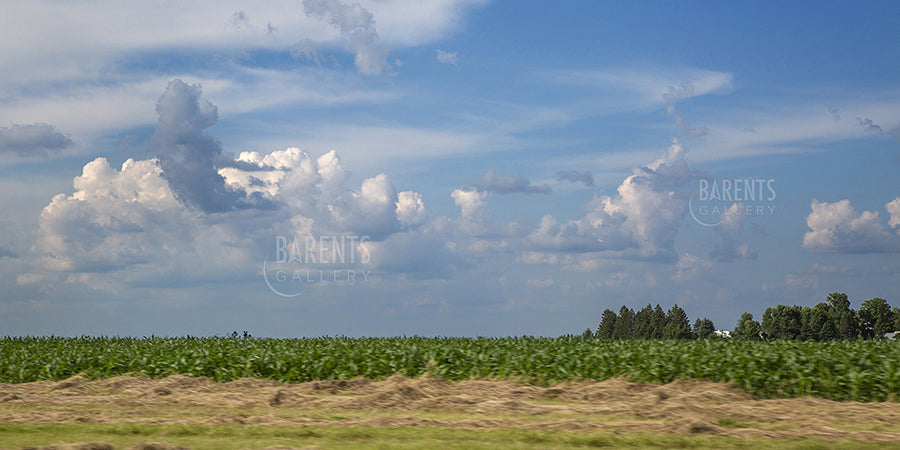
838 370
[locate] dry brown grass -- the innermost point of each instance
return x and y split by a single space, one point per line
681 407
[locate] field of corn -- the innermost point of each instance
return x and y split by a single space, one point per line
838 370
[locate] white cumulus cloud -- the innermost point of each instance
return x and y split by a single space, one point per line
893 208
121 219
370 211
184 215
411 209
838 227
469 201
644 215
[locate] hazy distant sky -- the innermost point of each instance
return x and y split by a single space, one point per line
484 168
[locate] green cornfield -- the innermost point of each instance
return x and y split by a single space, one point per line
837 370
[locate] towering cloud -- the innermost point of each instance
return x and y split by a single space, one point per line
650 212
644 215
893 208
470 201
186 153
182 211
411 209
116 218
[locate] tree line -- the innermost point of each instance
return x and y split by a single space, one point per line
828 320
650 323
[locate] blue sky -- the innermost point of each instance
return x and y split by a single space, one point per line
497 168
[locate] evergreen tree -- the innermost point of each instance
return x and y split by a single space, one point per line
657 322
607 325
677 325
624 324
642 322
704 327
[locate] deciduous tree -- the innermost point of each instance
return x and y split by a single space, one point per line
876 318
746 328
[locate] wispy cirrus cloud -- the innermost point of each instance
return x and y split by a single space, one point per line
122 103
91 37
791 128
647 87
112 59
